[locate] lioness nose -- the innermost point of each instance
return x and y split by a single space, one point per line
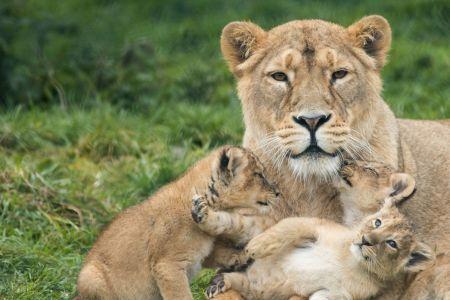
312 123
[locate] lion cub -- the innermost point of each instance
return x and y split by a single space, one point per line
151 250
363 186
320 259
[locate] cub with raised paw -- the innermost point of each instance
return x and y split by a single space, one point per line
152 250
363 186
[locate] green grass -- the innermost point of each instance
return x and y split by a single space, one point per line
103 102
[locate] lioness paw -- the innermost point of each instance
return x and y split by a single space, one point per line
199 209
216 287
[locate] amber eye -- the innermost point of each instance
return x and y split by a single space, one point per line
377 223
392 244
339 74
279 76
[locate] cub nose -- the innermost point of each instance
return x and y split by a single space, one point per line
312 123
365 242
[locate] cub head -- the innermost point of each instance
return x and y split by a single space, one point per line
386 246
310 89
365 185
239 181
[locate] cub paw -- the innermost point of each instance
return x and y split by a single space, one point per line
237 263
199 209
216 287
259 247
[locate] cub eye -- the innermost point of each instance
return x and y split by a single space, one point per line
377 223
392 244
279 76
339 74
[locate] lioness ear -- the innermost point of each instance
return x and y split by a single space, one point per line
403 187
231 160
239 41
373 35
420 258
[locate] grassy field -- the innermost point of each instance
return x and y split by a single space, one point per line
102 102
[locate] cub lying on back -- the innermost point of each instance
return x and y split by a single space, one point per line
320 259
151 250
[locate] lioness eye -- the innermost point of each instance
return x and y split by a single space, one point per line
377 223
339 74
279 76
392 244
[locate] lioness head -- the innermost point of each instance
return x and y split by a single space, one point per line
386 244
240 181
365 185
309 89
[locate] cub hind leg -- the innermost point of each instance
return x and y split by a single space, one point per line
93 284
172 281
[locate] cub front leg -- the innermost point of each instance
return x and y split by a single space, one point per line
298 298
226 258
328 295
290 232
236 227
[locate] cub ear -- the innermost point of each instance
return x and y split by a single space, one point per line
239 41
403 187
420 258
373 35
230 162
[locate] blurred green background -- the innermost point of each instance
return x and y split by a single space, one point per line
102 102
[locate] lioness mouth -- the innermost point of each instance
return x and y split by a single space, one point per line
263 203
312 150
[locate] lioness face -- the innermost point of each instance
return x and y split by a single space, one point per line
386 246
243 181
308 87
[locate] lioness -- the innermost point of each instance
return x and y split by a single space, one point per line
151 250
321 259
311 96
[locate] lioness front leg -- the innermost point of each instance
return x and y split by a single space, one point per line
290 232
237 227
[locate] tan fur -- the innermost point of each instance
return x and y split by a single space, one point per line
151 250
354 264
361 125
